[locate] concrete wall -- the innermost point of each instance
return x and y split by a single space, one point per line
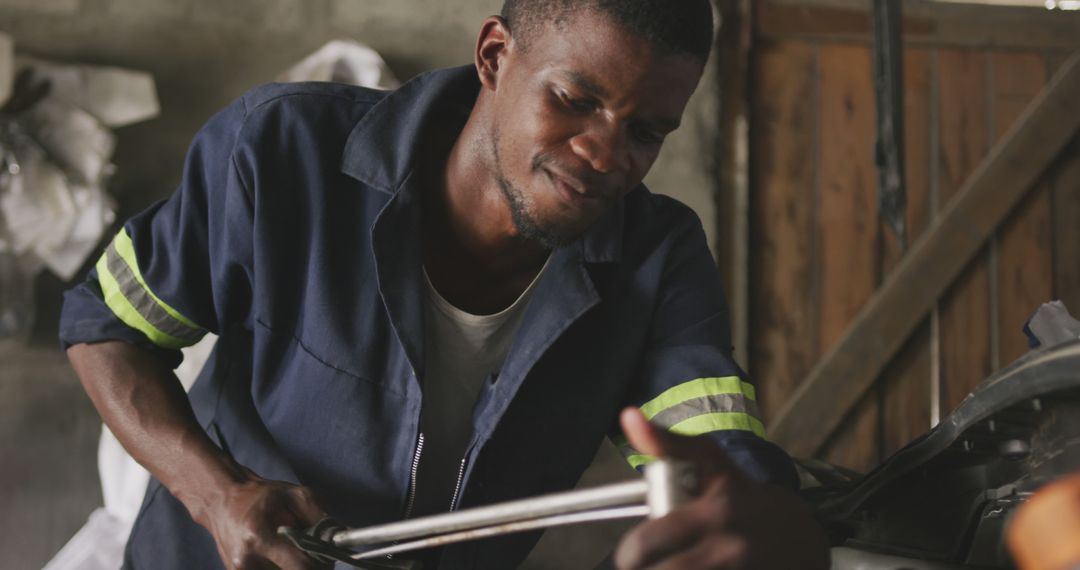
203 54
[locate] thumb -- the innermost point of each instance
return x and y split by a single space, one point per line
651 440
644 436
305 505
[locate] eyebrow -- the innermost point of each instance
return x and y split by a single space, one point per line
591 88
585 84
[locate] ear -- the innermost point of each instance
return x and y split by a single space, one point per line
492 47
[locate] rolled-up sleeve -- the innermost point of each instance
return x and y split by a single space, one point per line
183 266
688 381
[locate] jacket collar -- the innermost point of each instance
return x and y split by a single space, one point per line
383 145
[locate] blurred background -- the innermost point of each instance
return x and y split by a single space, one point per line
776 155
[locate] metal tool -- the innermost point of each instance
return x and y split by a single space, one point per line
666 485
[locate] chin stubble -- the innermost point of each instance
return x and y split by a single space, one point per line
526 225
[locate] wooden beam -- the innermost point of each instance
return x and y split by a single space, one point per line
934 262
925 23
736 35
1066 199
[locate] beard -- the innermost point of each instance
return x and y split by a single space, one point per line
547 235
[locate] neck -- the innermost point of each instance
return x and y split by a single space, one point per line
474 255
468 212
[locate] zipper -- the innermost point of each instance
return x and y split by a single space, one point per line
409 502
457 486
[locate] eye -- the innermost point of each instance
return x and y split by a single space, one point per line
646 135
577 105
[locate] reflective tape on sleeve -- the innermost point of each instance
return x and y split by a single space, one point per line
703 405
129 298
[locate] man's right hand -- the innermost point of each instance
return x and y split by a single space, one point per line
245 517
144 404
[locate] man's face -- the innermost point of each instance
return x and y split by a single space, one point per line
579 119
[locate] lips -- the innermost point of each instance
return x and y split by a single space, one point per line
572 190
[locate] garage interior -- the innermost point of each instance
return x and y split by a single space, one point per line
865 322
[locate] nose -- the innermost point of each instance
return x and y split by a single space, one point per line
604 148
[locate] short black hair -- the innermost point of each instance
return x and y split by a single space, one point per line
680 26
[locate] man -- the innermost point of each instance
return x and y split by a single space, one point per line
436 298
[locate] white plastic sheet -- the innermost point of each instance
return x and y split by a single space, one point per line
115 97
99 545
343 61
55 160
1052 324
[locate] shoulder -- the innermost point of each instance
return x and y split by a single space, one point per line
272 96
655 218
323 106
271 115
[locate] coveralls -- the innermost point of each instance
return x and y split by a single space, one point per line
295 235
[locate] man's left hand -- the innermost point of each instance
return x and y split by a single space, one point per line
735 522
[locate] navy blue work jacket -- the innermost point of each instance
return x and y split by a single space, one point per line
295 235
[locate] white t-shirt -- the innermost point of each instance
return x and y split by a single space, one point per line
461 351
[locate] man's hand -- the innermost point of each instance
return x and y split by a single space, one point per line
144 404
245 518
735 523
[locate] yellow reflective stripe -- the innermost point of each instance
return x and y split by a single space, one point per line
638 460
126 249
706 423
699 388
122 308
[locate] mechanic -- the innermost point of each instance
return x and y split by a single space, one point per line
436 298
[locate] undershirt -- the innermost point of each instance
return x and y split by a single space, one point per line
461 351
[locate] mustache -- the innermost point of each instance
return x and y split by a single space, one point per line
587 178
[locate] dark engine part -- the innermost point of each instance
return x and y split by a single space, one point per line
948 495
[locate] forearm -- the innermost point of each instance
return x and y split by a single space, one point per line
145 406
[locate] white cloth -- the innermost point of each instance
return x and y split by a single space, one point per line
1052 324
99 544
461 350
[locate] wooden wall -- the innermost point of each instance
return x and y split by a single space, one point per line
817 247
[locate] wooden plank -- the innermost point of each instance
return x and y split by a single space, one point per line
888 319
925 23
965 333
848 224
905 393
1065 182
1054 60
1065 189
783 344
854 443
917 145
963 128
777 20
733 189
1025 256
905 385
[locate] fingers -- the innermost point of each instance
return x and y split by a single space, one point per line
274 554
286 556
682 540
245 529
641 434
654 540
712 553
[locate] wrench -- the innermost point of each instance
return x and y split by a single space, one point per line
666 485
